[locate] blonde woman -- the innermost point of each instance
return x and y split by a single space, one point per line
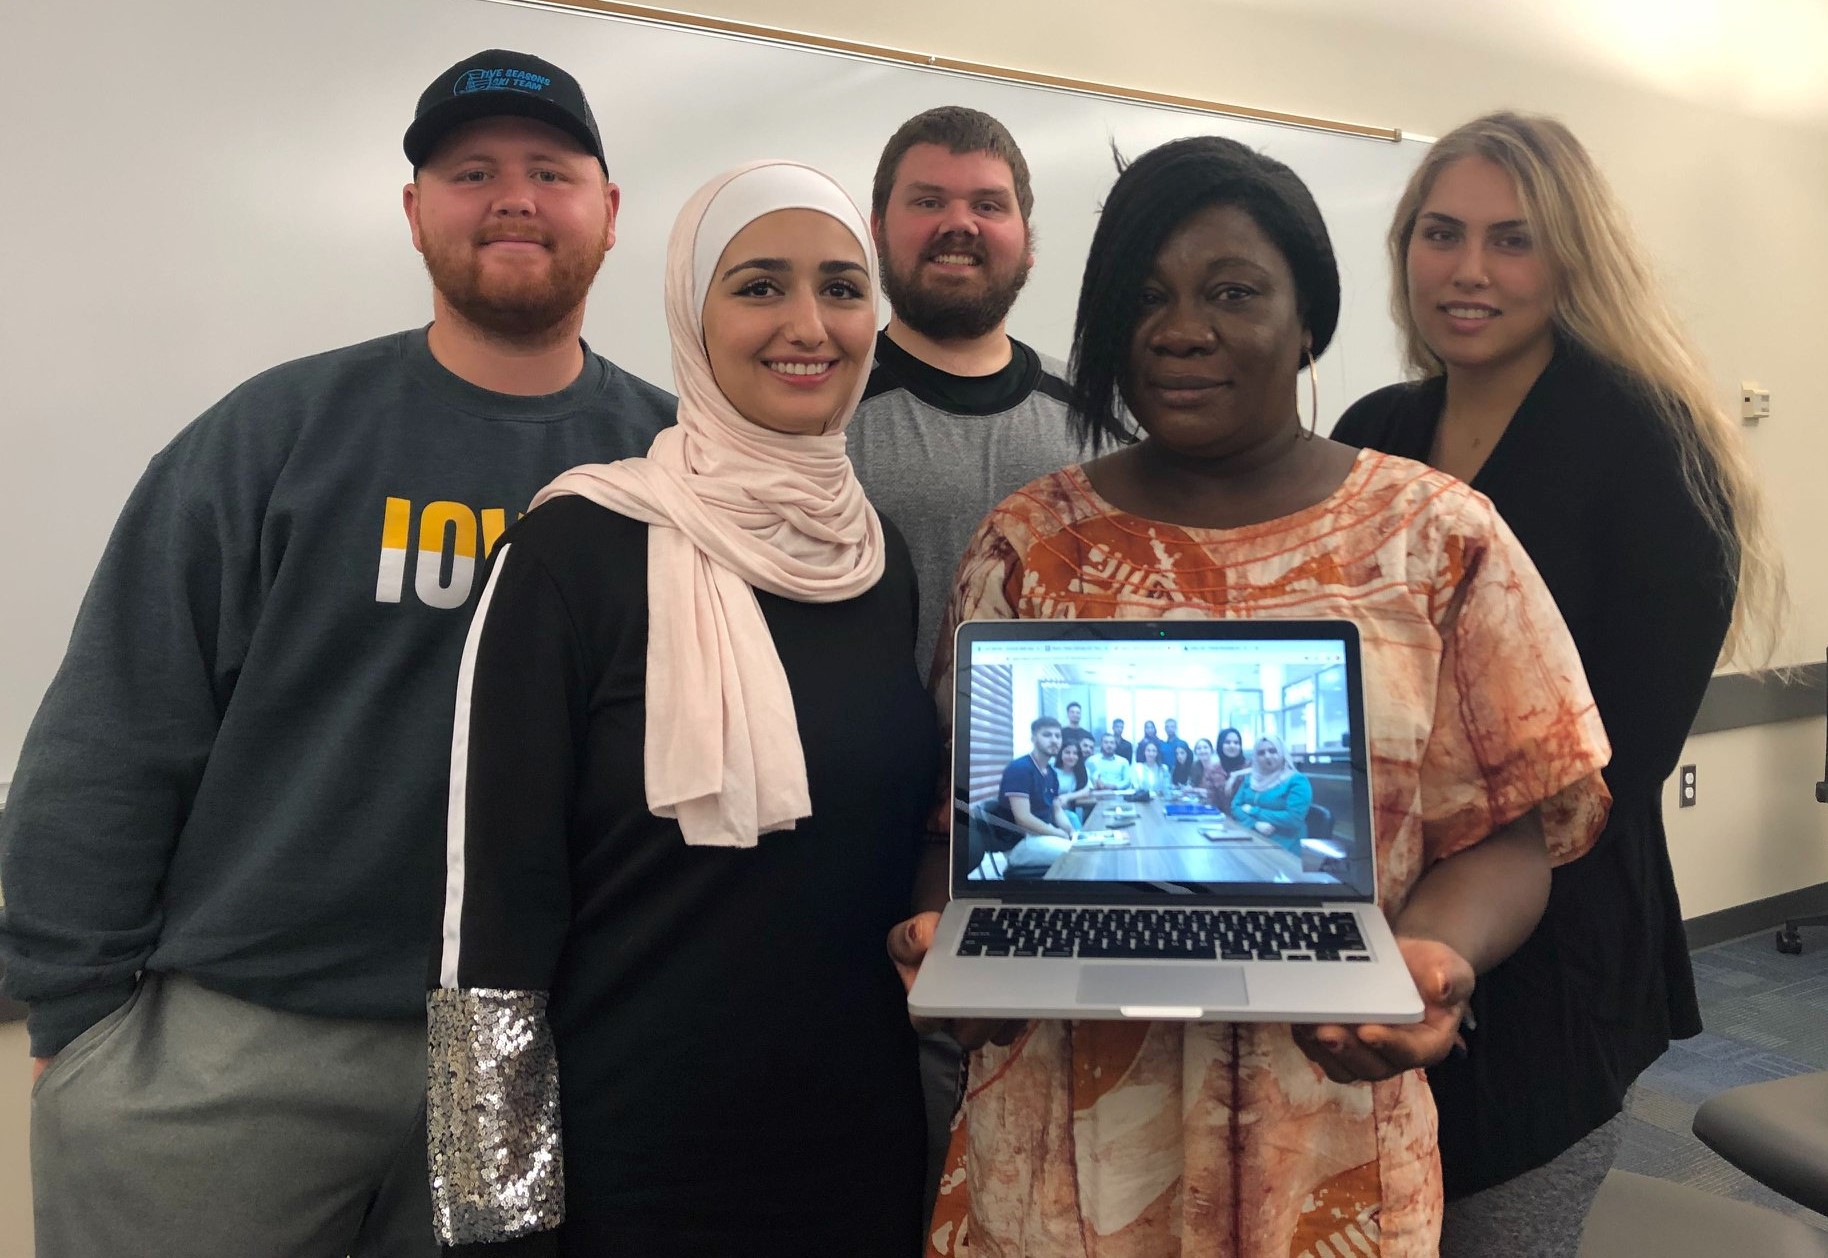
1553 377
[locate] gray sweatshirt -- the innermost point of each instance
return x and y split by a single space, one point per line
239 772
936 452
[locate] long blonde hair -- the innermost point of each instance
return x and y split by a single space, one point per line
1608 300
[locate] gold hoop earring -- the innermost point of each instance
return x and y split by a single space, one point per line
1313 429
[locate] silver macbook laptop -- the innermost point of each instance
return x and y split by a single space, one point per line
1116 887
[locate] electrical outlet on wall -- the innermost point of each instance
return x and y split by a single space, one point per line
1685 786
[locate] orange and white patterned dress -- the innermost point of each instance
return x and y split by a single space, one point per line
1121 1140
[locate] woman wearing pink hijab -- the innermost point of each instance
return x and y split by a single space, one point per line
682 818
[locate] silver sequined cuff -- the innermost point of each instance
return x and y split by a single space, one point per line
492 1110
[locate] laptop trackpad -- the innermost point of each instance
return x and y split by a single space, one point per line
1176 986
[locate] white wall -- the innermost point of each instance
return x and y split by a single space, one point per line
1755 830
1712 122
213 241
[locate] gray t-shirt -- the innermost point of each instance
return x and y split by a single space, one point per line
936 452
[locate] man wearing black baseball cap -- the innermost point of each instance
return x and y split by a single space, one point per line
498 83
224 847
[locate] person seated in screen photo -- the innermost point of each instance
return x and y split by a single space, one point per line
1184 773
1073 732
1228 761
1202 763
1108 770
1075 787
1231 755
1272 797
1028 798
1149 773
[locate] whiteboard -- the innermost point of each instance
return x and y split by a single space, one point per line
205 188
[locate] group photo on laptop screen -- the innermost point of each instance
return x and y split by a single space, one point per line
1223 761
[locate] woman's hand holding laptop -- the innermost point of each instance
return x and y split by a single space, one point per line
1365 1054
1466 914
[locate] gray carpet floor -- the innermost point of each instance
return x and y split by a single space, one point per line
1766 1016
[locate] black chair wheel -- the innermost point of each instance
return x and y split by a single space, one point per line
1790 942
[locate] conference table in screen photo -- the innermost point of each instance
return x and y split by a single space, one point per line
1159 847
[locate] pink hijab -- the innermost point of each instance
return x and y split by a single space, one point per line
734 507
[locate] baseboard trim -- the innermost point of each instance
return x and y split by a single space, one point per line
1766 914
1736 700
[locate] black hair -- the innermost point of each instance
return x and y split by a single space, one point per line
1184 774
1042 722
1152 197
1231 764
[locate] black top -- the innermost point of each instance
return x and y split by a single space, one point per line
737 1071
993 394
1590 480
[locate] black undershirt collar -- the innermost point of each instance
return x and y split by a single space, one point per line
960 395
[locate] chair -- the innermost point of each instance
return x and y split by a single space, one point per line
1320 822
1319 854
998 838
980 843
1776 1132
1790 938
1635 1216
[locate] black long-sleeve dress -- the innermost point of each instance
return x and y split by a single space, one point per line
1590 480
718 1032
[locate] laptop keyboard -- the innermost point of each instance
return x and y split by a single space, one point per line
1190 934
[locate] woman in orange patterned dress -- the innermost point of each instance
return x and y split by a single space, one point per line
1210 280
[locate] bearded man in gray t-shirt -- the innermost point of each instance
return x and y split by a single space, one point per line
958 414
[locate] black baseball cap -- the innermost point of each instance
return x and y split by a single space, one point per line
498 82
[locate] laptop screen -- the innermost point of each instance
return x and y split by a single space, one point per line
1222 759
